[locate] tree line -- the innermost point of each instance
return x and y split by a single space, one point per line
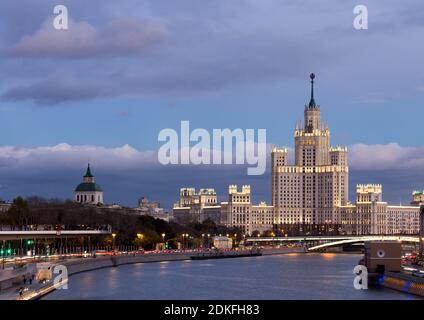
129 228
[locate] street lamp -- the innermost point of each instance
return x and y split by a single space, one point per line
163 240
140 237
183 235
113 241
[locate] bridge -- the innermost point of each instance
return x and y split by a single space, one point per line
48 234
322 242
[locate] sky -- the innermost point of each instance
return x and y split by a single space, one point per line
101 91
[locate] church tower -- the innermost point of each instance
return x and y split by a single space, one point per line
88 192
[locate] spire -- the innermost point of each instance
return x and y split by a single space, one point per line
88 173
312 103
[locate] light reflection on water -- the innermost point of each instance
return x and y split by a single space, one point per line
292 276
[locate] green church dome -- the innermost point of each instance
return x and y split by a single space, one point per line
88 187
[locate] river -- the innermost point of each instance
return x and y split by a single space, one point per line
289 276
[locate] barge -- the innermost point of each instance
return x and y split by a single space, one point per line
383 263
226 254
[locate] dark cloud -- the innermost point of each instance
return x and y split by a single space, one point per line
208 47
126 173
53 91
124 36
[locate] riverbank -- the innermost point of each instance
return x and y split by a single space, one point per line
76 266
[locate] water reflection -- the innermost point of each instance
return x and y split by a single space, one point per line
300 276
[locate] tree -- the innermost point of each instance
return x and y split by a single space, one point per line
19 212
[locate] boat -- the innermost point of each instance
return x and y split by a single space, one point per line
226 254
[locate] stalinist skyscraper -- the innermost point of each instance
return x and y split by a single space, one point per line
311 190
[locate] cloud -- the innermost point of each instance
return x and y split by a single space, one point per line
65 155
361 156
56 90
126 173
122 37
203 53
207 48
385 157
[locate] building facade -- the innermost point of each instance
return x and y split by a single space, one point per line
238 211
4 206
417 198
198 206
151 208
309 191
309 196
370 215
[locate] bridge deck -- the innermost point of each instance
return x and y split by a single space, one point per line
16 235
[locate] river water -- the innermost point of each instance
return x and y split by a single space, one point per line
289 276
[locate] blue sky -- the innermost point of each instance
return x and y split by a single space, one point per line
124 71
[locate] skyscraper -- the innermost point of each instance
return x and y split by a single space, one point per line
309 191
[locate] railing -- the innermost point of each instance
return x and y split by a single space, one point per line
43 227
320 238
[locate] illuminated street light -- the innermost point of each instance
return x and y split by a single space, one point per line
113 242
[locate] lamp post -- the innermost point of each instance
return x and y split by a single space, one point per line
113 241
163 240
183 235
140 237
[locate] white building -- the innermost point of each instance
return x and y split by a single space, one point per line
151 208
237 212
309 196
4 206
88 192
309 191
197 206
372 215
